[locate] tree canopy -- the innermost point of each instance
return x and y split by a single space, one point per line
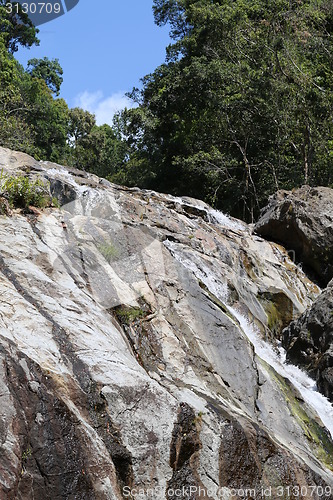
49 71
33 121
242 105
16 28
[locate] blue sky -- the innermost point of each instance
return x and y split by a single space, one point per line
104 48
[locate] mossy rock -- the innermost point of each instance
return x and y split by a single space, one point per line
318 437
279 310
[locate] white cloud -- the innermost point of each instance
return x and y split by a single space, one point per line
104 108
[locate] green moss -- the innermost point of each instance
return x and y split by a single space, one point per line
26 454
279 311
316 434
274 323
109 251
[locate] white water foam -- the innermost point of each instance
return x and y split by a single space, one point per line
301 381
89 196
214 216
226 221
60 172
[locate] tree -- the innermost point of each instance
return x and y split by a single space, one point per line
80 125
49 71
15 133
99 150
243 104
16 28
30 119
47 117
106 151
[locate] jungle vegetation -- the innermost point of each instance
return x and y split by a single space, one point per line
241 107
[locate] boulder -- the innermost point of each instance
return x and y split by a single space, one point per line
132 355
309 342
302 220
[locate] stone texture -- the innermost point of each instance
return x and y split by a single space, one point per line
309 342
302 220
129 328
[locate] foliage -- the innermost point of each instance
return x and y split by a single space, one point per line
21 192
48 119
80 125
49 71
30 119
97 149
16 27
33 121
14 131
127 315
242 106
55 202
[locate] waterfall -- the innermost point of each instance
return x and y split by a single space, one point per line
300 380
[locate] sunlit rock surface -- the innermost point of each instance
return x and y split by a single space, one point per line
302 220
133 353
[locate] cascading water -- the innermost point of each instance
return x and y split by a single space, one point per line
105 334
300 380
88 196
212 215
218 217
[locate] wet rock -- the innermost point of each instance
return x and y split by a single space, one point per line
252 464
62 191
309 342
302 220
132 356
184 453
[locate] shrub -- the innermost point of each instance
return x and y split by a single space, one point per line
127 315
55 202
21 191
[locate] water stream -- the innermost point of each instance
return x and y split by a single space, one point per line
300 380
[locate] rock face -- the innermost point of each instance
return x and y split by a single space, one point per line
309 341
302 220
133 353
